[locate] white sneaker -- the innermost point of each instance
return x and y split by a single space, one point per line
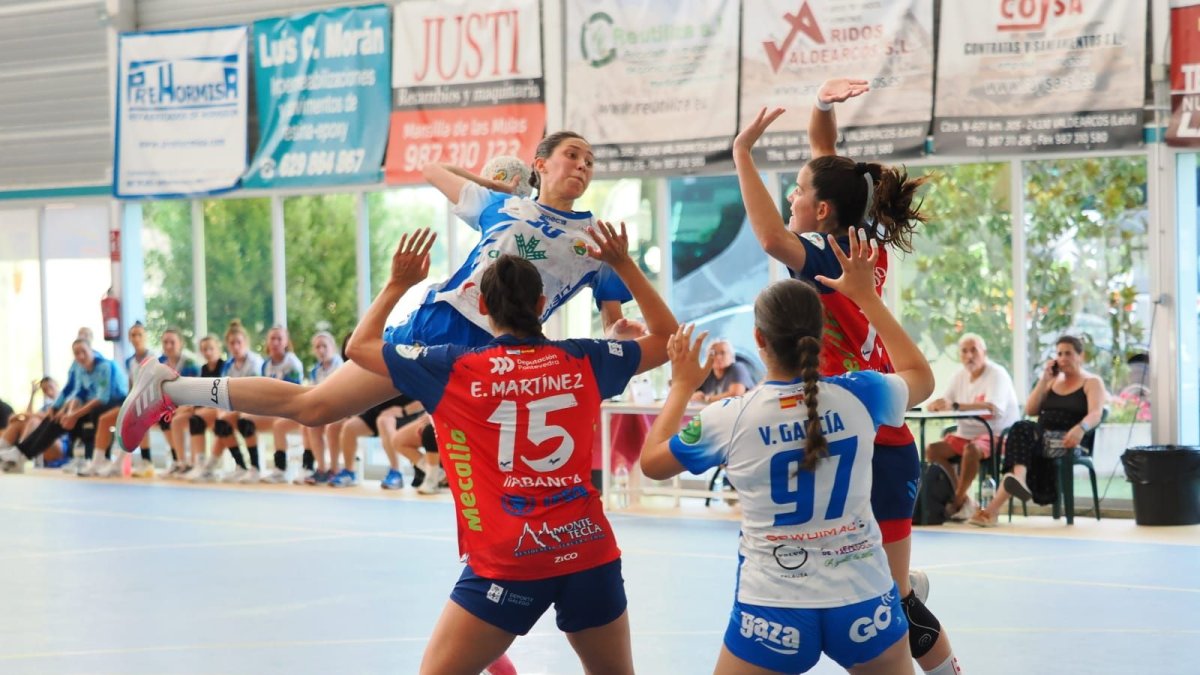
920 584
72 466
201 474
109 469
142 469
145 405
250 476
433 476
90 469
302 477
234 476
274 476
12 461
969 508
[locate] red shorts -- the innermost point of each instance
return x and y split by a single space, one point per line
958 444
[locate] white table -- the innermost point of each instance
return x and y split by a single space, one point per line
633 489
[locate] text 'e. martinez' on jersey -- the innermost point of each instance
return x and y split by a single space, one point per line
515 423
556 242
808 538
850 343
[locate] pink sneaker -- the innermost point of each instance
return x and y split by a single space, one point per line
145 405
501 666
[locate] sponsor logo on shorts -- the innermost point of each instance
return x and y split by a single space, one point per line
502 596
868 627
410 351
775 636
495 594
552 538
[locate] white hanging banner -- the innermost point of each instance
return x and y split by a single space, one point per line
651 83
181 112
789 48
1019 77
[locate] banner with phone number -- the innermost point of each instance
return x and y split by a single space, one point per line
1184 128
322 88
468 85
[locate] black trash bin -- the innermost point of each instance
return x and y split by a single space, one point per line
1166 484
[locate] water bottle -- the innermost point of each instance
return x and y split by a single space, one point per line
988 491
621 485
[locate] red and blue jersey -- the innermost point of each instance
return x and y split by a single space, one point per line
515 421
850 343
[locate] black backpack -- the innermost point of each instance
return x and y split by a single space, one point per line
936 491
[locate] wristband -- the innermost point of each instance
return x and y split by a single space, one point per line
823 106
1083 425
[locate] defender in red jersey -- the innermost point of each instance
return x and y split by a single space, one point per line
514 422
831 195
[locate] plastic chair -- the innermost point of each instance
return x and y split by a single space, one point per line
989 466
1064 483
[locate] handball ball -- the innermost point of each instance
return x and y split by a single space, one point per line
502 168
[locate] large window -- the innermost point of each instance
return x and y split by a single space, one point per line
167 249
1086 268
78 272
237 264
397 212
958 279
321 270
718 268
20 305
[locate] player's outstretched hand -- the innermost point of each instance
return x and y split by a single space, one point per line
410 263
841 89
750 134
687 371
858 268
612 246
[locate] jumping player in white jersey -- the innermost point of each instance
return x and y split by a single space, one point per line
813 576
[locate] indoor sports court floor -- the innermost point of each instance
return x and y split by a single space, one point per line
125 577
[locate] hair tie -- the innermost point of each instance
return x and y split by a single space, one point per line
870 194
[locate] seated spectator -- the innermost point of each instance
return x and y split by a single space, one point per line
728 377
1068 402
22 425
6 413
981 386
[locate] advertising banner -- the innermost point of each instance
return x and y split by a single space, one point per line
469 84
181 112
790 48
1019 77
322 82
1184 128
652 84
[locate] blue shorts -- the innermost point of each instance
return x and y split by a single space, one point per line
587 599
437 324
791 640
895 470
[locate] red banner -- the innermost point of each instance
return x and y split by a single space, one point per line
468 85
1184 129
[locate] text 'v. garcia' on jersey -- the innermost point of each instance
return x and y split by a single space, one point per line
515 423
850 343
554 241
809 538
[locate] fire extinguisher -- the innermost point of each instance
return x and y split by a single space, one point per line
110 309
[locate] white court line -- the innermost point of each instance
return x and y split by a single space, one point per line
168 547
1073 582
230 523
292 644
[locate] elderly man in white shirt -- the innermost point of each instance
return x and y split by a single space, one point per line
983 386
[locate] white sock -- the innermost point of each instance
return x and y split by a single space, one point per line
4 445
948 667
212 392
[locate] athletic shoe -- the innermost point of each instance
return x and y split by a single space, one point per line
302 477
250 476
145 405
72 466
12 461
143 470
501 666
394 480
418 476
344 478
1017 487
111 469
920 584
318 477
969 508
202 473
982 519
235 476
274 477
433 479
